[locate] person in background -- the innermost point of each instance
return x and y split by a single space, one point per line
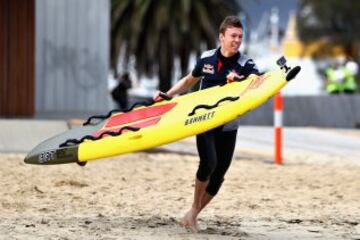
335 78
350 69
215 147
120 92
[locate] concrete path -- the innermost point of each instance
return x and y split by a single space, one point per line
21 135
300 144
313 140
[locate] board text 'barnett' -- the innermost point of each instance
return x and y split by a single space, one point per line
200 118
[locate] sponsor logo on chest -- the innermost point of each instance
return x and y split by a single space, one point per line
208 68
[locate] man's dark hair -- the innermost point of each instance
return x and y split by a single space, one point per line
230 21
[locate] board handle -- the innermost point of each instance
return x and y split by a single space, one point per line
209 107
74 141
165 96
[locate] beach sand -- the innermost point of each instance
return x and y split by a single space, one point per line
143 196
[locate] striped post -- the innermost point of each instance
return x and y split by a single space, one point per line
278 108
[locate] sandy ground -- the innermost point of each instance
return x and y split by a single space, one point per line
142 196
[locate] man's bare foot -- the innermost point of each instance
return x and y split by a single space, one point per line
189 221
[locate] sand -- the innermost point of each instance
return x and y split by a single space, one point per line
143 195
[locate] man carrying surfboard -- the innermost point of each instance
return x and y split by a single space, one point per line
215 147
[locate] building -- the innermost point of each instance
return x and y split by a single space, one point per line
54 57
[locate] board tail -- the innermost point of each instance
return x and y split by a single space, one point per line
55 156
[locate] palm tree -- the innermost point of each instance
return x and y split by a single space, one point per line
156 32
331 19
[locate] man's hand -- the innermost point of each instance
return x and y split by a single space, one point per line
232 76
159 96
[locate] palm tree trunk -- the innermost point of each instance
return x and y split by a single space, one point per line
165 63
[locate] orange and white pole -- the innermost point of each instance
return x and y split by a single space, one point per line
278 110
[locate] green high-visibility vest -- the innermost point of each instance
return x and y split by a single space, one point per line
332 85
350 81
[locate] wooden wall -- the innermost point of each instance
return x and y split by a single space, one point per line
17 57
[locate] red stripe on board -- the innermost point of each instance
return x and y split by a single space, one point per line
142 124
140 114
147 123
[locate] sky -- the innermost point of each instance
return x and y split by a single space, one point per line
256 8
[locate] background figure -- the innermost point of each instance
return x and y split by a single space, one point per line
120 92
341 77
350 69
335 78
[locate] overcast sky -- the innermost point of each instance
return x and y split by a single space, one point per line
256 8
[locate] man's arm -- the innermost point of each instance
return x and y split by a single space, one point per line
181 86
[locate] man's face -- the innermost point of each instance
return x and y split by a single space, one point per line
231 39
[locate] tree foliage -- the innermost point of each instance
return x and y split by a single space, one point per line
337 21
155 32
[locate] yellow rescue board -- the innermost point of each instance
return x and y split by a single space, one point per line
160 123
190 114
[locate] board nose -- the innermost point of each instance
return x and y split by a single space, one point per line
293 72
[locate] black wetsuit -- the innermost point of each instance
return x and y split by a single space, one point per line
216 147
